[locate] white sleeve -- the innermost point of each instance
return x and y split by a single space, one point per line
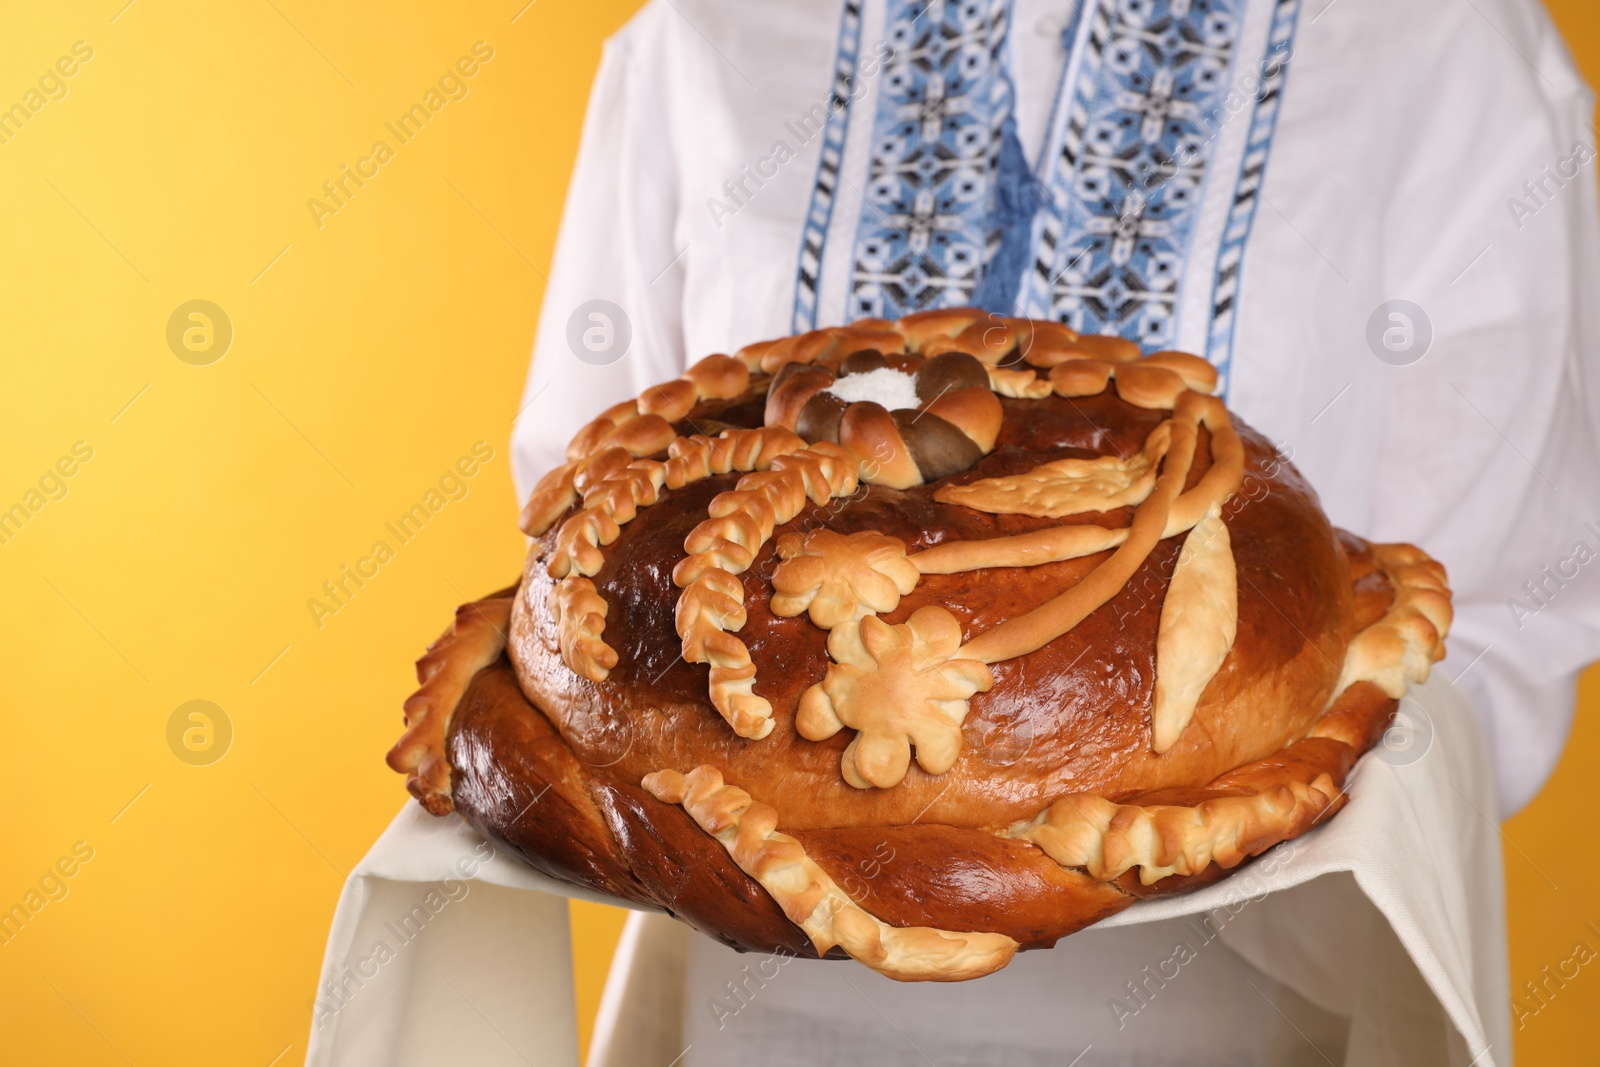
1489 444
615 246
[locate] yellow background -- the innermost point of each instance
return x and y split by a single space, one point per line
368 355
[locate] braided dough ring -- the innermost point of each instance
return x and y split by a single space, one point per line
951 427
1116 655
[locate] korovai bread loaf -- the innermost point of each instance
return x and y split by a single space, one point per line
919 642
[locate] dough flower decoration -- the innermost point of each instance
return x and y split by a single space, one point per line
906 419
896 686
839 578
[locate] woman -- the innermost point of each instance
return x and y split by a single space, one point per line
1377 220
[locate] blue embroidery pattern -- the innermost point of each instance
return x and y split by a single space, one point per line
823 193
1252 173
926 229
1122 178
1131 165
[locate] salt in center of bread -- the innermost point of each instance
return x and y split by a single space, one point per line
887 386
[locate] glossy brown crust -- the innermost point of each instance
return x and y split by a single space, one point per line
977 881
519 785
1072 717
550 764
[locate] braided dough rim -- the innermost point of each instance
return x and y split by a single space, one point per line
1010 350
474 641
812 900
716 377
1161 840
1144 848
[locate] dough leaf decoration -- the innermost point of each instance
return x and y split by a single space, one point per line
1060 488
1199 619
